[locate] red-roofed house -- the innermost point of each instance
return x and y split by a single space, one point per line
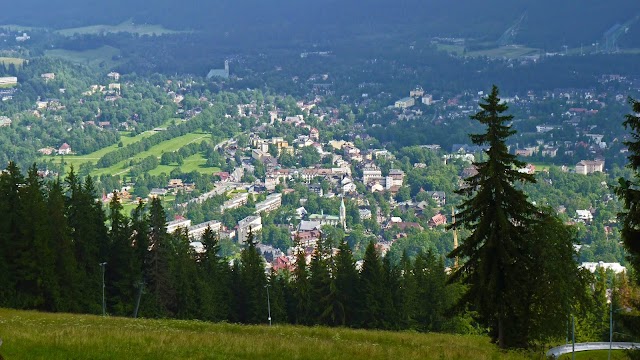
65 149
437 220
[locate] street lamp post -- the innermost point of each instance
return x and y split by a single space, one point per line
573 337
268 304
104 304
610 328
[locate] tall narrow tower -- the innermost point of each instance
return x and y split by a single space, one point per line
343 214
226 67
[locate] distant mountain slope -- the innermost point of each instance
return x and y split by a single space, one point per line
548 23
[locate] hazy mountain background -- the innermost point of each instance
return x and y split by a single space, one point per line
547 24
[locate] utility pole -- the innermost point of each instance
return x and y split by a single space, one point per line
140 289
268 304
104 304
573 337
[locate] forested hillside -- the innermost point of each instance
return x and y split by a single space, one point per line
546 24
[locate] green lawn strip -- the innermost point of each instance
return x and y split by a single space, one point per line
195 162
157 150
33 335
77 160
94 57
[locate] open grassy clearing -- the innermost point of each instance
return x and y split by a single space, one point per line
14 27
33 335
102 56
166 146
195 162
127 26
6 61
77 160
597 355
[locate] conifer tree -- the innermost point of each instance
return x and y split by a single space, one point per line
10 182
158 271
346 284
254 281
320 280
121 277
215 277
62 244
629 189
33 257
372 290
498 215
302 290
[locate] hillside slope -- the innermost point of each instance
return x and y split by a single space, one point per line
33 335
546 24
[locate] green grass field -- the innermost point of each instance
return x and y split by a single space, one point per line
6 61
195 162
33 335
166 146
127 26
596 355
102 56
77 160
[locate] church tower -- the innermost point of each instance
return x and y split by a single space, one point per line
343 214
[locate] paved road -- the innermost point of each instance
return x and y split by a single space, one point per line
566 349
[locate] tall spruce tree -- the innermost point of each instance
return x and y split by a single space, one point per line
629 190
158 274
498 215
346 284
372 290
65 261
302 290
320 280
254 281
121 277
10 181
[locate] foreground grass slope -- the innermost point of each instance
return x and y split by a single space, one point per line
33 335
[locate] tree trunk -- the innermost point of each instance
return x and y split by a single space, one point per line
501 343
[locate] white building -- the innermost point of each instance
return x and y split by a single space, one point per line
253 223
371 173
427 99
196 231
593 266
235 202
584 215
272 202
8 80
585 167
172 226
405 103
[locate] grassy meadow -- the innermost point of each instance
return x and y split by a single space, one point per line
102 56
33 335
6 61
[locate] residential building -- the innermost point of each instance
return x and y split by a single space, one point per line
8 81
65 149
316 189
371 173
585 167
235 202
48 76
427 99
251 223
440 197
584 215
178 223
593 266
196 231
397 177
5 121
405 103
273 202
437 220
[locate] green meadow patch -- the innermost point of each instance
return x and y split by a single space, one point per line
103 56
34 335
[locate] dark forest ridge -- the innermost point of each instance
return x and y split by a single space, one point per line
544 24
